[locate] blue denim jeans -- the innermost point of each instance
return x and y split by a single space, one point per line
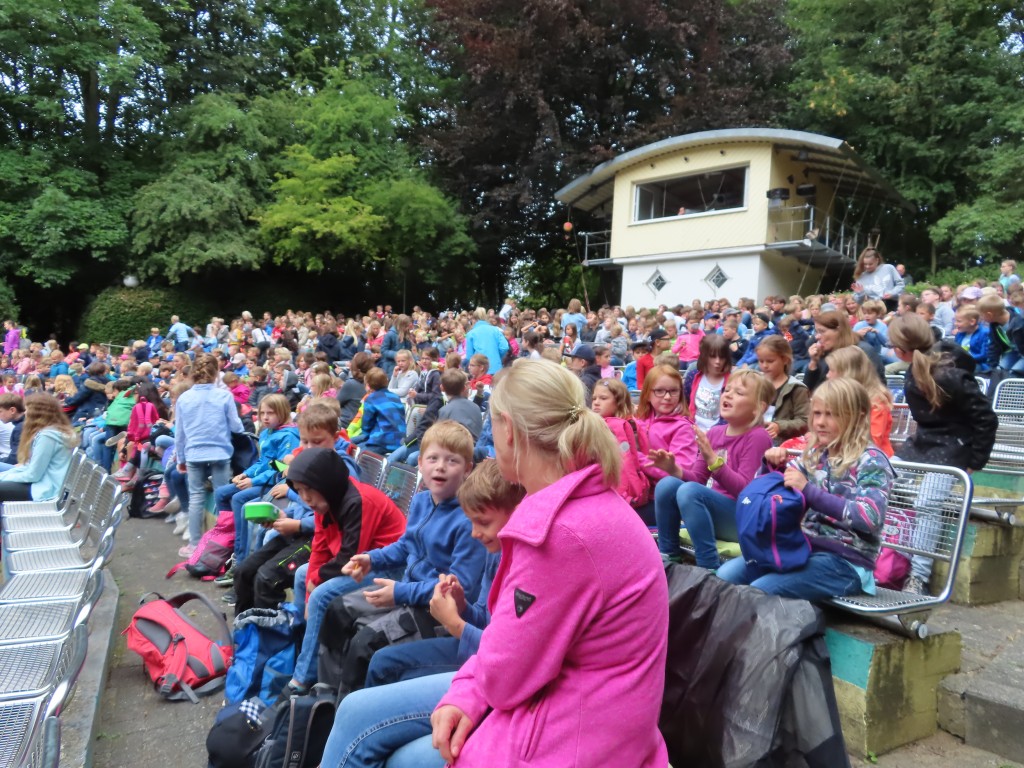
1012 361
316 608
707 514
177 484
825 575
387 726
219 472
407 661
228 496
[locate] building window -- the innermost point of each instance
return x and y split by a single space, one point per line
716 278
656 282
700 193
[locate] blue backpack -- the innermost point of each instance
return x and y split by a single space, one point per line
264 655
768 517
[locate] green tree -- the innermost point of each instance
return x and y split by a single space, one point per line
548 89
919 89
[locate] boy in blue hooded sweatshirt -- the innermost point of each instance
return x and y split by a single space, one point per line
438 540
276 441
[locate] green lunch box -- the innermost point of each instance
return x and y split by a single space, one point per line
260 512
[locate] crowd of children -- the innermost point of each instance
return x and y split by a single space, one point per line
669 413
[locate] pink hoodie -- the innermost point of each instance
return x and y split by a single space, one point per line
571 669
687 346
670 433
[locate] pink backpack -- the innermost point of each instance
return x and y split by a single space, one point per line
213 551
633 484
143 416
892 568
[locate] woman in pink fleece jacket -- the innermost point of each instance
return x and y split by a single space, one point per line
570 671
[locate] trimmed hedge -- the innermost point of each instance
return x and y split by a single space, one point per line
119 315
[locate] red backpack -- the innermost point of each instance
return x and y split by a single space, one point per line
181 660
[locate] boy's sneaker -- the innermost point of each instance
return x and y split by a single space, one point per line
112 441
227 579
229 597
186 552
182 524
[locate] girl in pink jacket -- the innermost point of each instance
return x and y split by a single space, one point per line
570 671
661 414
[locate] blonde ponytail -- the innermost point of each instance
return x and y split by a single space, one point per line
547 410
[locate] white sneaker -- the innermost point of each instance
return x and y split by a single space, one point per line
185 535
181 525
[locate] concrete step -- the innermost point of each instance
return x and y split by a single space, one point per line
990 565
984 703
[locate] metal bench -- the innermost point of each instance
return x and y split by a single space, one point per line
113 503
77 468
903 425
30 735
76 507
50 586
98 513
371 467
895 383
937 502
47 622
1009 395
400 485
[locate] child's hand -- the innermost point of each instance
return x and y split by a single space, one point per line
772 429
279 491
243 483
444 609
357 567
450 585
664 460
776 456
704 445
795 479
286 526
451 729
383 597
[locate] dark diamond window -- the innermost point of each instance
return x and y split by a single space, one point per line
716 277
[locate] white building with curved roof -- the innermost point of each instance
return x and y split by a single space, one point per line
739 212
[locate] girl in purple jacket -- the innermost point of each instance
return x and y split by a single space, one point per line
562 676
730 456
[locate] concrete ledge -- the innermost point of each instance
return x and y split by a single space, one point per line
990 565
81 716
886 684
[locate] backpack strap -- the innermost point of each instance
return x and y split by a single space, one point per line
184 597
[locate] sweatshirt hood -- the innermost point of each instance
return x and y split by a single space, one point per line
324 471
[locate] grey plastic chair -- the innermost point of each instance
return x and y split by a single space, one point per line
50 586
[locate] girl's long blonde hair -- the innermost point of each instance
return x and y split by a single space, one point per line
912 333
849 404
63 384
41 412
548 412
853 363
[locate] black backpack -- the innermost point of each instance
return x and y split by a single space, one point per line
299 728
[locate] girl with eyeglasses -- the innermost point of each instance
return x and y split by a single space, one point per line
662 416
